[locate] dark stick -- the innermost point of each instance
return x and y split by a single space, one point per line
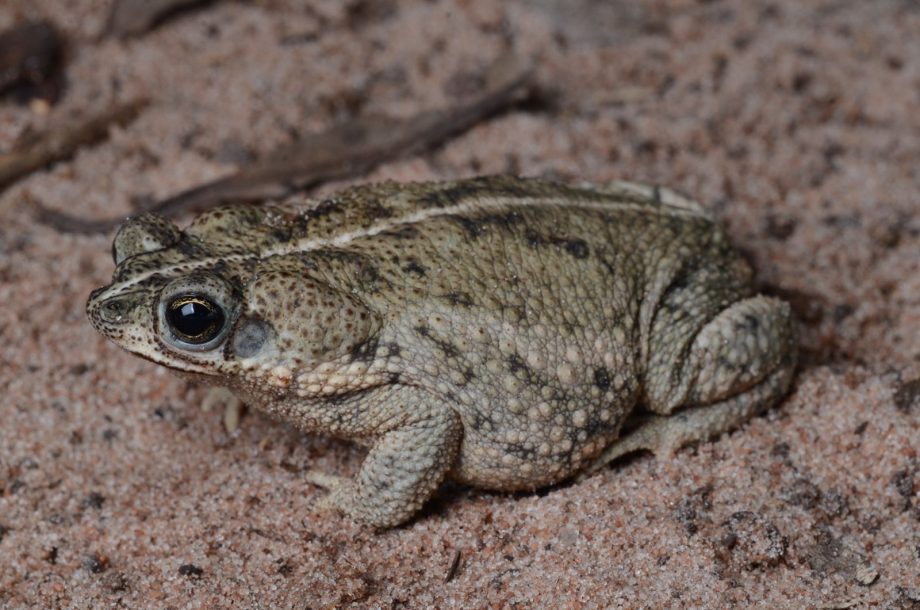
134 17
61 143
343 151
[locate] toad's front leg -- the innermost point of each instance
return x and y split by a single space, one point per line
402 470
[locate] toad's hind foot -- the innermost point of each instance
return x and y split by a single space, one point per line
335 485
665 434
324 480
739 364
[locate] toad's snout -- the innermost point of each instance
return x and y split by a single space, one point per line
111 311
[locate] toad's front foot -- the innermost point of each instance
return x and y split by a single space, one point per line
400 473
221 397
335 485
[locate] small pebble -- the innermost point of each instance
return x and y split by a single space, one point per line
866 574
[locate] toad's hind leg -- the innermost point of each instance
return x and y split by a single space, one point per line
739 363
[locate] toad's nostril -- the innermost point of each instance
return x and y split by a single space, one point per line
113 310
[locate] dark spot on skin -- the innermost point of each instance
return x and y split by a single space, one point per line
478 225
723 363
340 255
371 276
476 188
468 375
449 349
187 248
220 268
365 270
324 208
681 280
404 232
302 223
459 298
595 427
306 259
516 363
505 220
577 247
561 398
346 396
413 267
676 224
434 200
749 322
472 228
454 195
479 420
251 334
281 235
359 396
602 378
525 454
672 308
519 368
533 238
366 351
656 193
374 209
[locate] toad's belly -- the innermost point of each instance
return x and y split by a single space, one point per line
522 462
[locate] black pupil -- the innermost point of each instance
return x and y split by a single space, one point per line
195 319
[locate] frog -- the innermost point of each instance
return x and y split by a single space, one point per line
498 332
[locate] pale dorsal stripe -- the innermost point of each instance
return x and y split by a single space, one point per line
663 208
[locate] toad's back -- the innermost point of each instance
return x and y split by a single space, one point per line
529 306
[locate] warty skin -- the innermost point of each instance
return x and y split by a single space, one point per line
498 331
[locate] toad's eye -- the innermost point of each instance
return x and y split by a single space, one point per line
195 319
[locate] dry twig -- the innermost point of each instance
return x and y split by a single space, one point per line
60 143
135 17
346 150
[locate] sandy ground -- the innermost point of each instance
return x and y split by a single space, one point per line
797 121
